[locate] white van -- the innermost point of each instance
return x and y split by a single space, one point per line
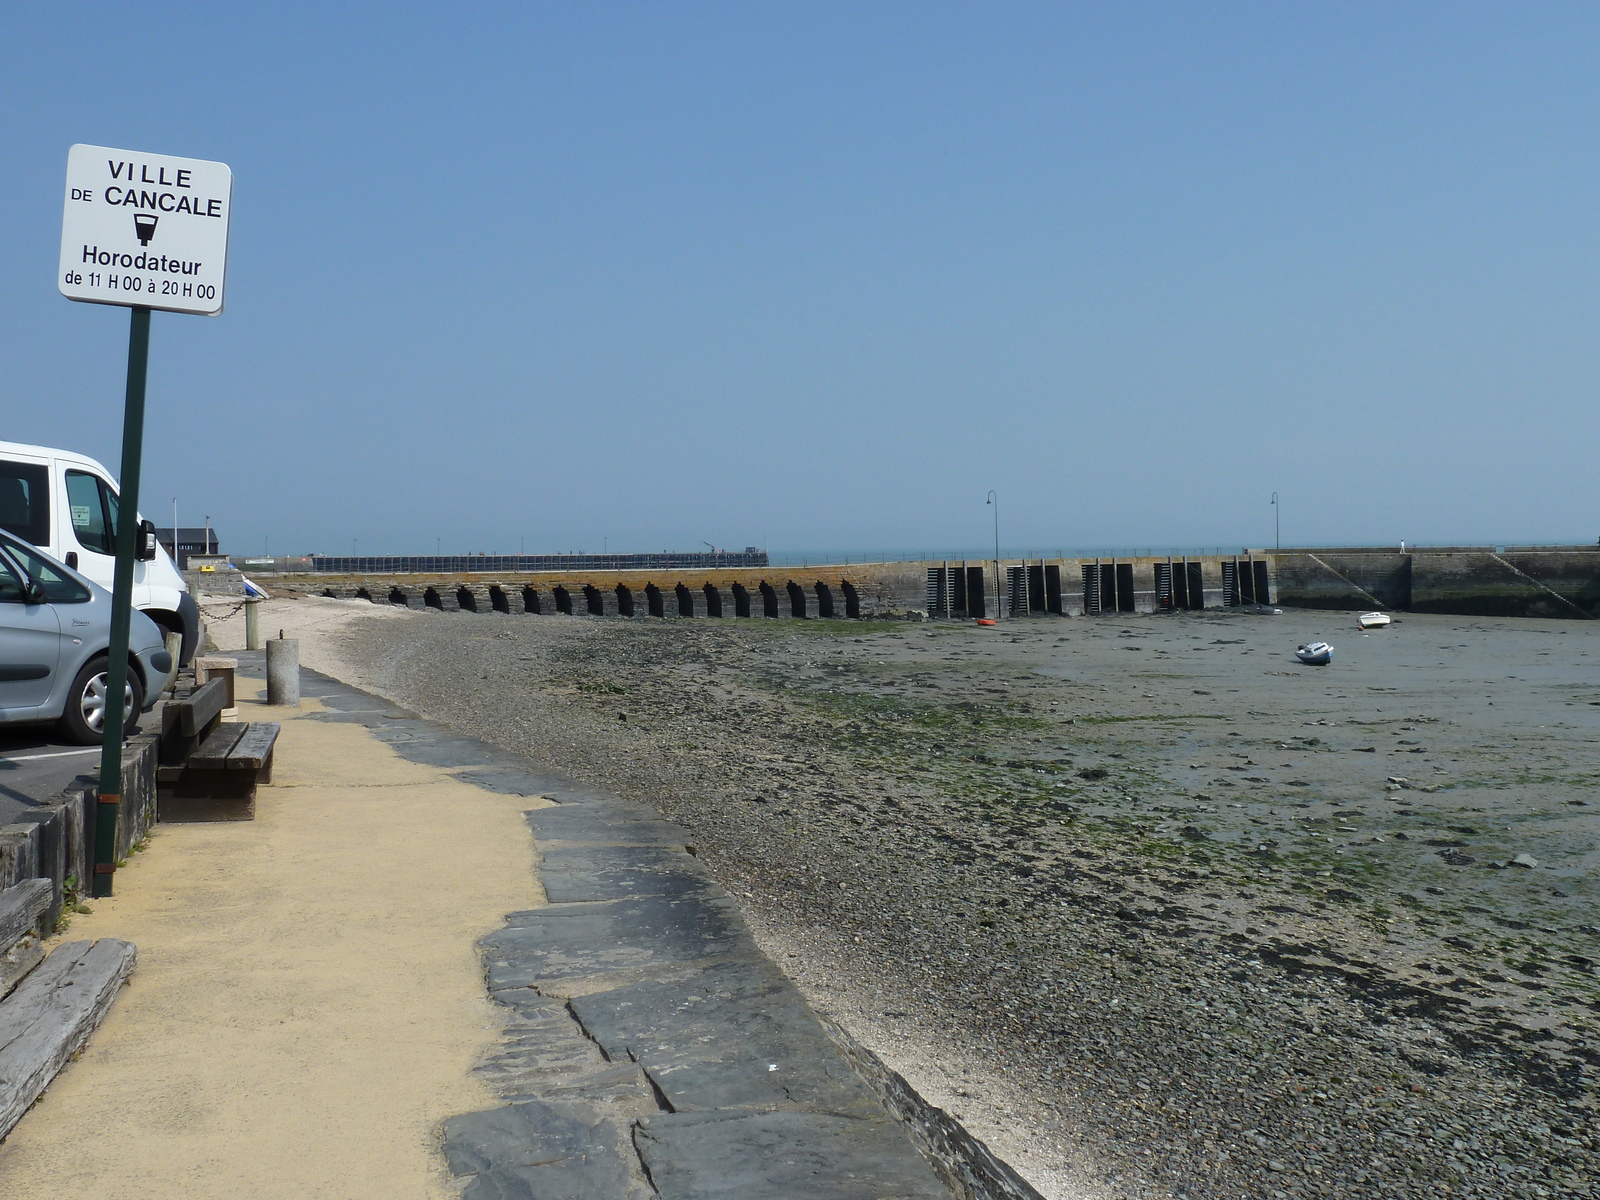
66 505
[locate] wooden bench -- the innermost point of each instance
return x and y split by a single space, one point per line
208 770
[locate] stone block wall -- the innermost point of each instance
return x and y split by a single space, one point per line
55 841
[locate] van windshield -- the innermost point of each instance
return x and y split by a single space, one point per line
25 501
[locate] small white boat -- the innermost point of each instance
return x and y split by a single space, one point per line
1373 620
1315 654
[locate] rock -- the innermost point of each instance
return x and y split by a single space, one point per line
1525 860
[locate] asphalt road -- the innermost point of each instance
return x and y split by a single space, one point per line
37 762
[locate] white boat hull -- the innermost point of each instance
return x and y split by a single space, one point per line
1315 654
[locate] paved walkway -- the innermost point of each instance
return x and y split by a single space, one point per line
308 1003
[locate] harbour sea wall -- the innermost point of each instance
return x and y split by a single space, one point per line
1486 581
1511 581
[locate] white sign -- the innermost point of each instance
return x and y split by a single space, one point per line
145 229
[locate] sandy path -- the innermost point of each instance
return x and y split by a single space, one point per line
308 1003
318 622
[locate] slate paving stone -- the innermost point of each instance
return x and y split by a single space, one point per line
734 1034
622 1086
617 823
567 941
539 1151
544 1055
537 1045
782 1156
571 873
417 742
514 781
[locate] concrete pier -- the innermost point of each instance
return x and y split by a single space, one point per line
1522 581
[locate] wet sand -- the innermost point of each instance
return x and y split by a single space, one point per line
1157 909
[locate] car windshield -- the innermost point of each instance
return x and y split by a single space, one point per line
59 587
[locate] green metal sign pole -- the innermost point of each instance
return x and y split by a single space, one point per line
105 829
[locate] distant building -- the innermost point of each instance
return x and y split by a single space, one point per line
197 540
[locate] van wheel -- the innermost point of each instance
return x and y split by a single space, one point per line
85 717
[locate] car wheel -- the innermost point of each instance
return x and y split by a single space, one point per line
85 716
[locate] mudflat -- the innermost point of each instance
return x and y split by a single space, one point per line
1156 908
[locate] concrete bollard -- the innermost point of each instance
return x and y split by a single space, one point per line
174 643
283 671
252 623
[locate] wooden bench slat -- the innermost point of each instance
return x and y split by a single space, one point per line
255 747
51 1015
21 906
213 752
202 707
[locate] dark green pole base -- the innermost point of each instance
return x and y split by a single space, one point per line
109 807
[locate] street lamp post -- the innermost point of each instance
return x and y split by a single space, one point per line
994 499
1277 538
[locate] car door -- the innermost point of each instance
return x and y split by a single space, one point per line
30 644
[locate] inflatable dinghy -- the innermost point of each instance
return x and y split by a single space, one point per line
1315 654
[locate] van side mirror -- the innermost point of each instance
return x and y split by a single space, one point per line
34 593
145 551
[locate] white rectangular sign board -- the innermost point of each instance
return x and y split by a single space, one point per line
145 229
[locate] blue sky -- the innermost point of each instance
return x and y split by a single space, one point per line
822 275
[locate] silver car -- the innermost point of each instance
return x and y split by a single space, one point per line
55 638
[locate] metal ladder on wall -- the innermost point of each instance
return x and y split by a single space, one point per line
1091 589
1017 590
